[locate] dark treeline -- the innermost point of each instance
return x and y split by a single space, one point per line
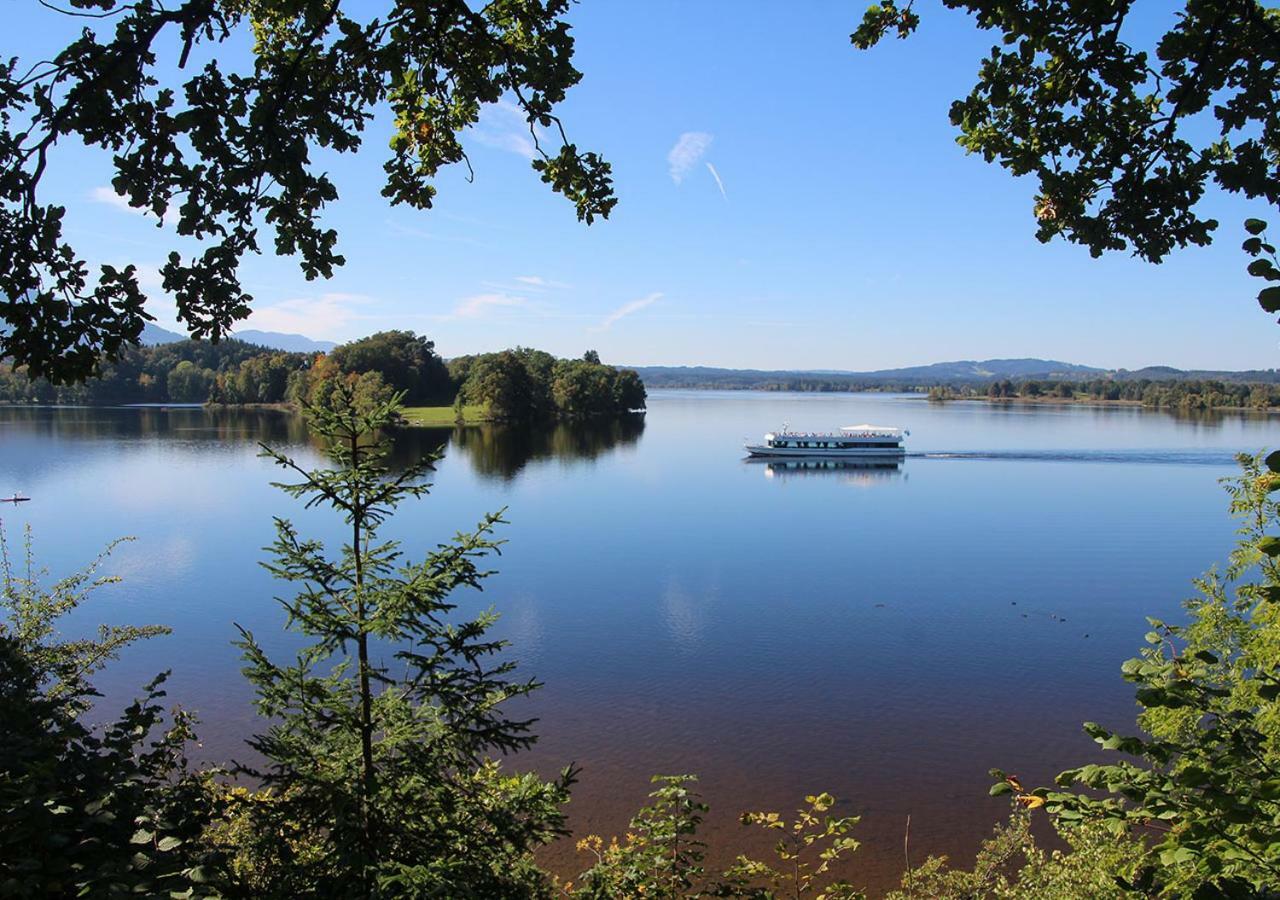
181 372
1183 394
511 385
1164 391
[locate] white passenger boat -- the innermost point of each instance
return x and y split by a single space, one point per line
851 440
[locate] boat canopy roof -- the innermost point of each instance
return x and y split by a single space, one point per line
873 429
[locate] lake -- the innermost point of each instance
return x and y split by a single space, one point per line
887 635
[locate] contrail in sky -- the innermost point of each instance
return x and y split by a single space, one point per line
719 183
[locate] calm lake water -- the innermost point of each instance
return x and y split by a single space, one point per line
885 635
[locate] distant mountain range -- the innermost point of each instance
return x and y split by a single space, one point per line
966 371
153 334
278 340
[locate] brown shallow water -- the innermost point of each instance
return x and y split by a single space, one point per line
884 635
930 768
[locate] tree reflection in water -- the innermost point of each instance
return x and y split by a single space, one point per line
503 450
494 450
226 424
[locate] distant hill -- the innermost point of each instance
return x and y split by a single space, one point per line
153 334
986 370
1168 373
277 340
960 372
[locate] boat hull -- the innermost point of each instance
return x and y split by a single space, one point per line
763 450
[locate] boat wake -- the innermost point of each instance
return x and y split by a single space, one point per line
1149 457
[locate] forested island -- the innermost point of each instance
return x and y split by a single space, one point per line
509 385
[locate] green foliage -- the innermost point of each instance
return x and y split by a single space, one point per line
662 856
262 378
189 384
1011 866
226 154
520 384
89 811
988 878
1001 390
501 383
881 18
1187 394
526 384
1119 130
1206 780
380 771
407 363
1265 265
805 851
62 668
182 372
585 388
328 389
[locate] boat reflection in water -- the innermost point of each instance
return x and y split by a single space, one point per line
864 471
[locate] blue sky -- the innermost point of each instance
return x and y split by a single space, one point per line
785 202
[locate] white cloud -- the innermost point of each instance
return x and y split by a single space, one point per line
719 183
686 153
535 283
478 304
324 317
104 194
627 309
503 126
107 196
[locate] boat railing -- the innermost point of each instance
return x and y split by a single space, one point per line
837 434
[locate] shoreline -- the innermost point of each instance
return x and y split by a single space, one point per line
1099 402
446 416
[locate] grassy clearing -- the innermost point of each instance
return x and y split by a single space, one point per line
443 416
